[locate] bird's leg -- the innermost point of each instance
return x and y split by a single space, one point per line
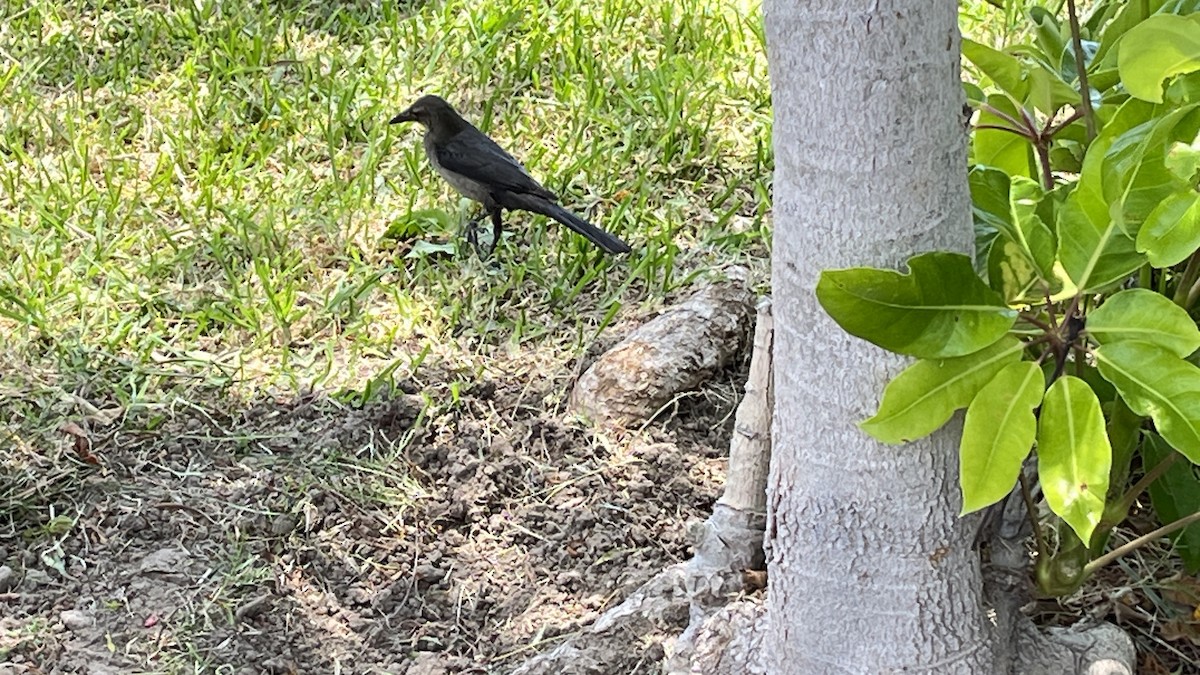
470 230
497 228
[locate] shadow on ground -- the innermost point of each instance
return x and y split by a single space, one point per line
407 535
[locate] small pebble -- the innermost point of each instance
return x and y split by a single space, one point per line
163 561
75 619
429 573
8 579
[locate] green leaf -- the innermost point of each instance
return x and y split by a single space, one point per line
990 197
1175 494
1145 316
1012 273
1130 15
1074 457
940 310
1124 434
1007 151
1171 232
1050 37
1135 175
1021 257
1029 82
418 223
1157 384
928 392
1011 206
998 434
974 94
1160 47
423 249
1047 91
1093 250
1004 70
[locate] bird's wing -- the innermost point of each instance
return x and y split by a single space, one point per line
479 158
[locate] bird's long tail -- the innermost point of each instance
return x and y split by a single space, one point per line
594 234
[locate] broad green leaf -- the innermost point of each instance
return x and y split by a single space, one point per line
1024 264
1027 81
941 309
1007 151
989 208
1157 384
1020 257
1145 316
928 392
1012 273
1105 79
1171 232
1135 175
998 434
1175 494
1004 70
1134 139
974 94
1030 232
1070 146
1093 250
1050 37
1074 457
1047 91
990 197
1160 47
1130 15
1067 157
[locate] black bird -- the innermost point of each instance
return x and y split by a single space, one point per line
481 170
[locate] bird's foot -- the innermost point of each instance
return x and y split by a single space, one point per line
470 232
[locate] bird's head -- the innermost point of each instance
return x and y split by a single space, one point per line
425 110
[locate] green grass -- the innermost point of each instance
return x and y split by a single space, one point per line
210 195
207 195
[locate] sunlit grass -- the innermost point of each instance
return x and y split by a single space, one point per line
207 188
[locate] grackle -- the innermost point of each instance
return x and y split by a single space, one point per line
481 170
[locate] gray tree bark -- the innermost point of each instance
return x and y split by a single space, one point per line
871 569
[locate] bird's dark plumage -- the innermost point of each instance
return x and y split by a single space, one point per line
481 170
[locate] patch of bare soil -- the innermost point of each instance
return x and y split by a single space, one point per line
432 532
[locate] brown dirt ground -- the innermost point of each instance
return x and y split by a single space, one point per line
415 534
422 533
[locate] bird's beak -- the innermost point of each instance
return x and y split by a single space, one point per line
405 116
